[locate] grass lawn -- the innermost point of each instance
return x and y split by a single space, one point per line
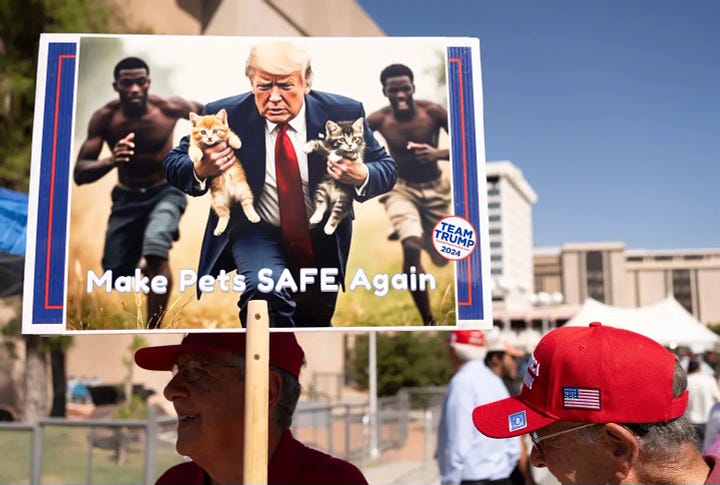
65 457
370 250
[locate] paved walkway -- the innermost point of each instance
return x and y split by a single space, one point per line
406 472
402 473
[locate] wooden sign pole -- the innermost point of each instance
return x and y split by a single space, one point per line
257 358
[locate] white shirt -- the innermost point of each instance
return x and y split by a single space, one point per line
703 393
463 452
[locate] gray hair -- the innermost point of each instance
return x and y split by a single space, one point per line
661 440
289 394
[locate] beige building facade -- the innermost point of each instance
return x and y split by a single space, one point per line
612 274
249 17
510 200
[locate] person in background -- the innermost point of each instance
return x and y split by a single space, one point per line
703 394
422 196
146 210
465 456
502 359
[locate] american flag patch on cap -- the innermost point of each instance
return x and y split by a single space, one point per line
581 398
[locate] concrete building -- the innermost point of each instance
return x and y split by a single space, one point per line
510 200
248 17
612 274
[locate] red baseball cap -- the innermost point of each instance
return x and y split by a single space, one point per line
473 337
491 340
593 374
285 352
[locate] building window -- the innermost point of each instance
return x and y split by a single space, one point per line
495 231
682 291
595 276
496 271
663 258
493 205
496 257
634 259
495 244
494 218
493 191
693 256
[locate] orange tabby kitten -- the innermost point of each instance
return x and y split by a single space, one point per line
232 185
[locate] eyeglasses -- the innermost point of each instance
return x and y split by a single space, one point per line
194 370
537 440
127 82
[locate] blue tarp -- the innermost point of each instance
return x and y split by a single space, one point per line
13 227
13 221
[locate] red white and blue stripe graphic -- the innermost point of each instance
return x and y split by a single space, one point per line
51 238
581 398
468 272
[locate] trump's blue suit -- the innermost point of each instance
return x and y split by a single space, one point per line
244 238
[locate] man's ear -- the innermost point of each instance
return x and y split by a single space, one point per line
115 86
624 446
274 388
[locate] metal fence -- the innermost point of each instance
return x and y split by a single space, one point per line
342 430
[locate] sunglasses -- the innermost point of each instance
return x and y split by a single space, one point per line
128 82
195 370
537 440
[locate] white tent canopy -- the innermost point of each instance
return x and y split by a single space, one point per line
666 322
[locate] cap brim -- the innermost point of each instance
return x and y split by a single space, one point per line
508 417
163 357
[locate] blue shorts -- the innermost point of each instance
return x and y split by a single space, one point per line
141 224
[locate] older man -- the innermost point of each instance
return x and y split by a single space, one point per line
208 392
603 405
274 122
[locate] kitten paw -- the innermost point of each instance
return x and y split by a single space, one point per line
221 226
309 147
315 218
234 142
329 229
252 215
334 157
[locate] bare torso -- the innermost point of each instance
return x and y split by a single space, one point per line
423 127
153 138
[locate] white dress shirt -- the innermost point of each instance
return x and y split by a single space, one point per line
463 452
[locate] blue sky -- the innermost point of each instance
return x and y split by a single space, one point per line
610 108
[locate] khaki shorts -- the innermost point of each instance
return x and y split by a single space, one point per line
415 209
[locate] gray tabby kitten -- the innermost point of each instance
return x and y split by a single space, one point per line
343 139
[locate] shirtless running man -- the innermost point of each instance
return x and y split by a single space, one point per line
421 196
146 210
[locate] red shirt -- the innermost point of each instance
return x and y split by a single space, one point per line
714 477
291 463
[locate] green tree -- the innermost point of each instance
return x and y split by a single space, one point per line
404 359
21 23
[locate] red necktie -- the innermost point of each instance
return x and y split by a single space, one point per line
293 219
